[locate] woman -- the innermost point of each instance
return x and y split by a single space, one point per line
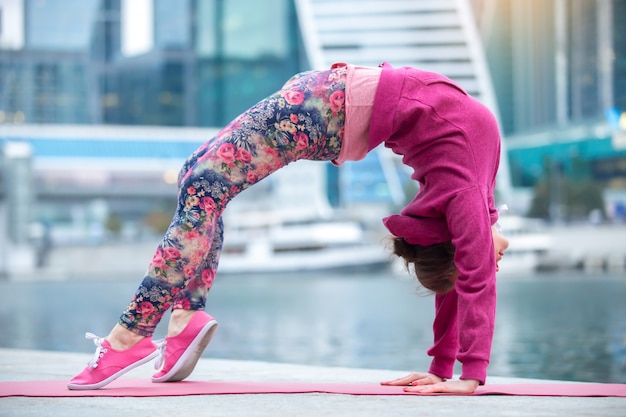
450 141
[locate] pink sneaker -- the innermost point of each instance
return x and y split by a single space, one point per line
109 364
179 354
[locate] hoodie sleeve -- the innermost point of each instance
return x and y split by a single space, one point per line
473 314
446 336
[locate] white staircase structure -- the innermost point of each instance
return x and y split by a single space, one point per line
433 35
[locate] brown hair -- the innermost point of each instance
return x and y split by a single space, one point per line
434 264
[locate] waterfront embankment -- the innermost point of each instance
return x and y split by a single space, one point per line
593 248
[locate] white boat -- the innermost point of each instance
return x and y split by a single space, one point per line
307 245
288 226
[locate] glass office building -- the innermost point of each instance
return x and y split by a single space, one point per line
555 65
201 62
165 63
557 62
558 69
137 62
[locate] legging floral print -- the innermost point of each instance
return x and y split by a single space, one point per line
304 120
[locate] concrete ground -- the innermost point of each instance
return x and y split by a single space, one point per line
24 365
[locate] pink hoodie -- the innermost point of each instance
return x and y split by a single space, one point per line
453 145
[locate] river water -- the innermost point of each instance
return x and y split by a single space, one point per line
567 326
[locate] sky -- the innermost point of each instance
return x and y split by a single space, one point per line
137 29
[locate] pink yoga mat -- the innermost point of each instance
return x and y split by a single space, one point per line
145 388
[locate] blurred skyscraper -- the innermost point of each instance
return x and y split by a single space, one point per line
142 62
555 62
556 69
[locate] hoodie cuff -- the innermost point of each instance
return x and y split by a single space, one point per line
475 370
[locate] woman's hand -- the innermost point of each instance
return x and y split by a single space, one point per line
429 383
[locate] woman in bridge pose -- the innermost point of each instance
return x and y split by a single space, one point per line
447 233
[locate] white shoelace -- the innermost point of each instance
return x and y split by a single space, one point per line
100 351
500 209
161 343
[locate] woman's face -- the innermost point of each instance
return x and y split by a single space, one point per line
500 244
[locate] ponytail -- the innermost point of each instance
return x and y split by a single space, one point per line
433 265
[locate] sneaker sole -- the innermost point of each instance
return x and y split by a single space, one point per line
115 375
188 360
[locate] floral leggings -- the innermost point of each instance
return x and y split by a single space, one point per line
304 120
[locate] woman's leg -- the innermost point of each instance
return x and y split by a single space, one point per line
196 292
304 120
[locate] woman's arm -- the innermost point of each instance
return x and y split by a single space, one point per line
445 335
469 223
